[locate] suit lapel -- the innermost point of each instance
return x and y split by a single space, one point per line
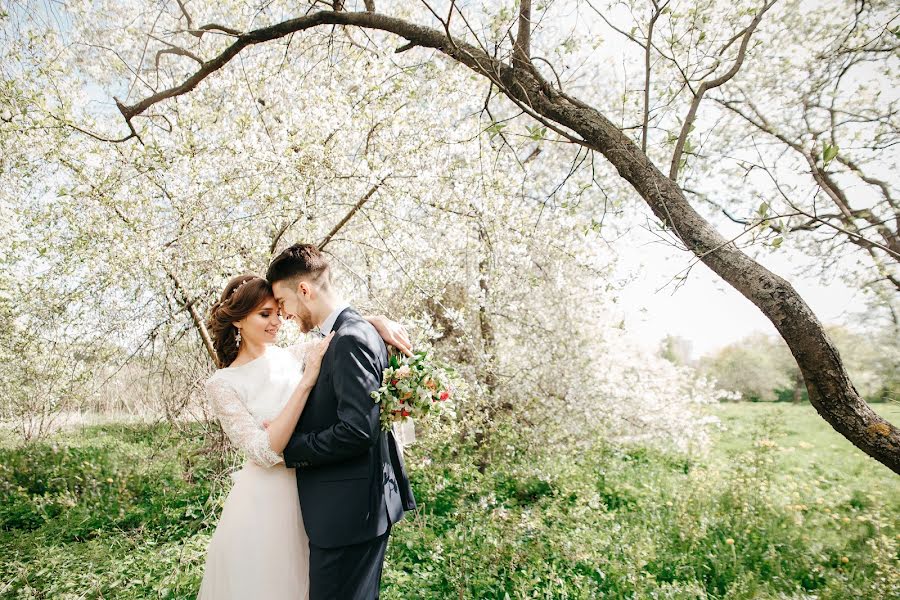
341 318
326 373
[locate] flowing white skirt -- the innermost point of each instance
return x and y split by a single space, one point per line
259 548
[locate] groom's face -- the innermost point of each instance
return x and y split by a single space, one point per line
294 302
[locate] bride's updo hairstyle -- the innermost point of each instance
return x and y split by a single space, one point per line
241 296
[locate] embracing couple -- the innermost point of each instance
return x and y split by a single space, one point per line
311 509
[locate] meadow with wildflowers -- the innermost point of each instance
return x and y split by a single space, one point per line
782 507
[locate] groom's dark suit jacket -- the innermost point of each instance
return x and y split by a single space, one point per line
350 475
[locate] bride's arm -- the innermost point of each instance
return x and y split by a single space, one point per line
282 426
264 445
392 332
239 425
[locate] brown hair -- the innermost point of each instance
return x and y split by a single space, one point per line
300 260
234 304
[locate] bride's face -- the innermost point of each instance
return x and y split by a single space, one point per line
261 326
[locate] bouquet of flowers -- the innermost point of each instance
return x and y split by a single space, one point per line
412 386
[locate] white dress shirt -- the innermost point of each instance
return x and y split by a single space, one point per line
328 324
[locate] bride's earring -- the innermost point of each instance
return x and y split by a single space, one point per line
237 338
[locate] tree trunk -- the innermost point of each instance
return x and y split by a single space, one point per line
830 390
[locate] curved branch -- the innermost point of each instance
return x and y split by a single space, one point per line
711 84
178 52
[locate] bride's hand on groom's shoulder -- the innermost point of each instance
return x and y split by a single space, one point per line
393 333
314 358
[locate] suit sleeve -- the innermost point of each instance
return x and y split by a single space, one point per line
357 373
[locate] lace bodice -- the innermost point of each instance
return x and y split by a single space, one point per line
243 397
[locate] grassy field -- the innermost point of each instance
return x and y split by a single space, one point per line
807 445
782 508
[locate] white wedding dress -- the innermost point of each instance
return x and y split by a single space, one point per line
259 548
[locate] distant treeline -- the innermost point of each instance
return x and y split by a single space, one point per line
760 367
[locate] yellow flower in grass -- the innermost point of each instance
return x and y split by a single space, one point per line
730 542
845 560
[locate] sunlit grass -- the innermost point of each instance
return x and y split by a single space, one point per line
782 508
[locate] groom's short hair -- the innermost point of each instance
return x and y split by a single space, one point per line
300 260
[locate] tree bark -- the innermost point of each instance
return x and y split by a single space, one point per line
830 390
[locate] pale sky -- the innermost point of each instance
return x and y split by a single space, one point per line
705 309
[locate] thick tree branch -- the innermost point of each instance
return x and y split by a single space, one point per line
522 45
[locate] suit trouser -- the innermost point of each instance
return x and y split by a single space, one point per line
347 572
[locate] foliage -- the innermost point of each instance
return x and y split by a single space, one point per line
761 368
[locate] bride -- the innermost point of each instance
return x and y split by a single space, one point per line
259 548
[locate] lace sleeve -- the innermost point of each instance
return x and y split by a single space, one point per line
299 350
239 425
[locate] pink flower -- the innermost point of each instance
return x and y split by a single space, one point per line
445 394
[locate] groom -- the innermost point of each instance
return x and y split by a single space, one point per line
350 474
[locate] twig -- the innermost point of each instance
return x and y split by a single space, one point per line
352 212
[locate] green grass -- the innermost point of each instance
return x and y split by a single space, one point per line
808 448
782 508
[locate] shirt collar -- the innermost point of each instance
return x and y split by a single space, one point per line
328 323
